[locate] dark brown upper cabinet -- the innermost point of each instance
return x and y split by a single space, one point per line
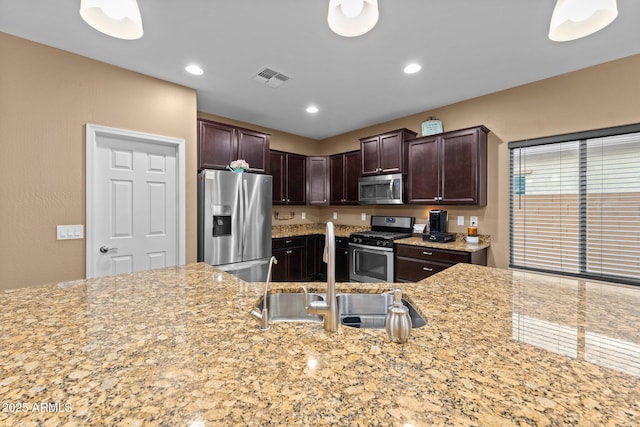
318 180
344 170
219 144
289 173
448 168
385 153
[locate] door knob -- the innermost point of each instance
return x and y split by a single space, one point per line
106 249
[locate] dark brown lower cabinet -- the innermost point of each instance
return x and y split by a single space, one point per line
300 259
414 263
316 267
291 255
342 259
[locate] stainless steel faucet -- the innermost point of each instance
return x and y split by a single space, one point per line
263 317
329 307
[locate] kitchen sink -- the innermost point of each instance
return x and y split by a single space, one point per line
356 310
369 310
289 307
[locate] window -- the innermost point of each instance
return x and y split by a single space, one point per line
575 204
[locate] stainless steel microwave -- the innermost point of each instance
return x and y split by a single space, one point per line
381 189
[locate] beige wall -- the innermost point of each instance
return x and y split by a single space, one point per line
46 97
597 97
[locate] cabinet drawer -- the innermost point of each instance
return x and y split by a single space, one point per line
414 270
287 242
430 254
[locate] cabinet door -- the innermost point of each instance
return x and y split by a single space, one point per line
216 145
318 182
336 179
296 182
391 153
370 152
279 270
316 269
254 148
422 175
296 264
351 175
463 167
342 259
277 167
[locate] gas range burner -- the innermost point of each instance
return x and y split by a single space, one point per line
382 235
384 230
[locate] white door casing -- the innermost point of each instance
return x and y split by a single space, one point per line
135 201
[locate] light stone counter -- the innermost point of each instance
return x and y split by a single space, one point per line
459 244
177 346
293 230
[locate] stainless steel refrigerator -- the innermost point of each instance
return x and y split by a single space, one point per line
234 222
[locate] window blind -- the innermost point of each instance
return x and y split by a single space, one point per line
575 204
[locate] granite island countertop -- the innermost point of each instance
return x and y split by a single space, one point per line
177 346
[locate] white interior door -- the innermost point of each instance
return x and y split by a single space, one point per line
135 202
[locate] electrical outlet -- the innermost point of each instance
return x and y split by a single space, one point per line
473 221
335 215
303 215
460 220
363 216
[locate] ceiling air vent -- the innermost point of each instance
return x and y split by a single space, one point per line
270 77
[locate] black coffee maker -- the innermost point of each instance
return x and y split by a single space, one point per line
438 227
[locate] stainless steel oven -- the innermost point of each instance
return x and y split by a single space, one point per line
370 263
371 253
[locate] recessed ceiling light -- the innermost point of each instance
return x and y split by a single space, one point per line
312 109
412 68
194 69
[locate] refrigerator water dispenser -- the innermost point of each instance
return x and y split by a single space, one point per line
221 225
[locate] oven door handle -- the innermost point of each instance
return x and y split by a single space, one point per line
369 247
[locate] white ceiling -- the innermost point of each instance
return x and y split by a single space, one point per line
467 48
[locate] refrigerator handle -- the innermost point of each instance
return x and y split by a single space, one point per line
241 219
245 207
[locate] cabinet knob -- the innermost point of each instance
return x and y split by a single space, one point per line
288 200
427 253
282 200
288 241
427 269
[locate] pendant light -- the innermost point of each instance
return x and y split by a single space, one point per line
115 18
352 18
573 19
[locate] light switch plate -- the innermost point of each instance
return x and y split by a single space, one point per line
303 215
460 220
68 232
335 215
473 221
363 216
